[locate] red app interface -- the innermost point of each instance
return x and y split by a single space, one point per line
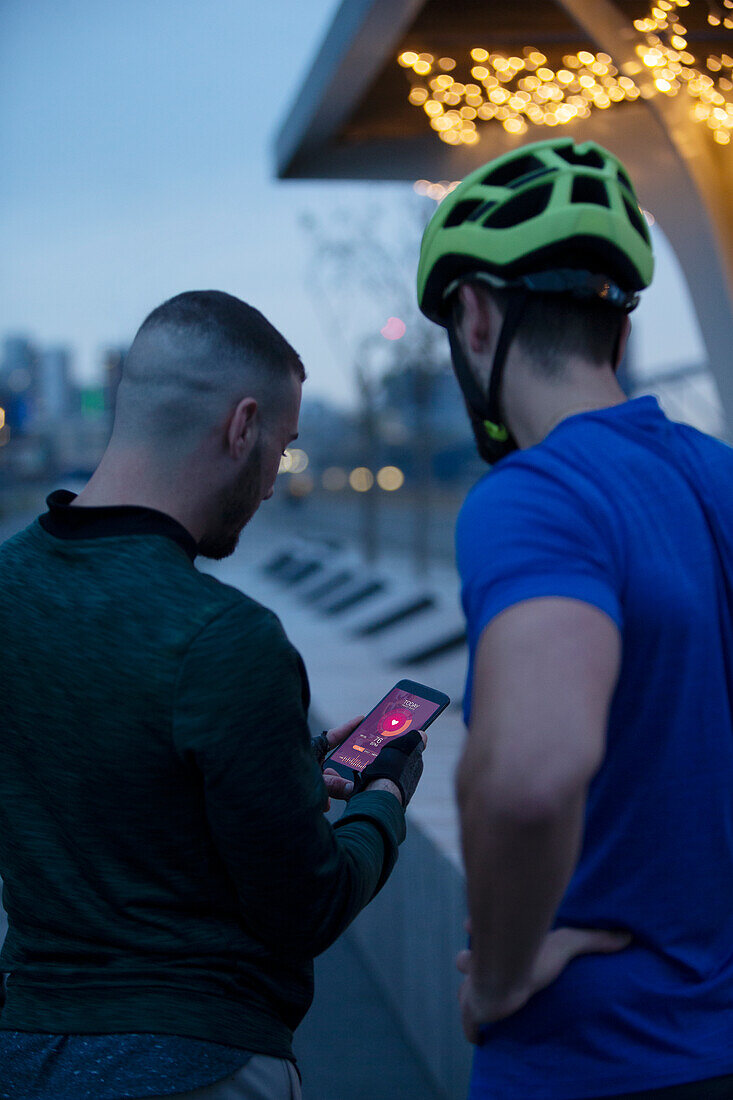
396 714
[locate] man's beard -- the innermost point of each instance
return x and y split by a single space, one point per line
237 504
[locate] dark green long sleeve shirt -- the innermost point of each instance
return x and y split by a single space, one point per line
167 866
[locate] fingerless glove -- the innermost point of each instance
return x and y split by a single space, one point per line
400 761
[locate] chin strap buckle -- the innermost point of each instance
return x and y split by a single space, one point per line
496 431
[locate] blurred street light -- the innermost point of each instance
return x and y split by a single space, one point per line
293 461
395 329
361 479
390 478
334 478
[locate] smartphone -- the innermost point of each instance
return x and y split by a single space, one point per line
407 706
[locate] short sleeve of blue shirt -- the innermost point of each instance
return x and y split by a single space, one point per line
529 529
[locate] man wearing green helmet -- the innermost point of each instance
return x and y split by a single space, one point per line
596 560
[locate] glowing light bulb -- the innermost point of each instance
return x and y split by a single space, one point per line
514 126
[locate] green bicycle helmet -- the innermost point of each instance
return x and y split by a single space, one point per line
546 206
551 216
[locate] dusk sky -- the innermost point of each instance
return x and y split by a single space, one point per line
136 150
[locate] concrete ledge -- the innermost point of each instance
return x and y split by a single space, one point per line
409 937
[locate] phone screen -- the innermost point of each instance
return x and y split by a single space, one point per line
399 712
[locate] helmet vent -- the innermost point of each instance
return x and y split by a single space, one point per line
591 159
624 179
462 211
513 172
589 189
520 208
636 219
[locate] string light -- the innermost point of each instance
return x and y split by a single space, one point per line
673 68
518 91
436 191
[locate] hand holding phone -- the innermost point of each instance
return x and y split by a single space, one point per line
337 786
409 706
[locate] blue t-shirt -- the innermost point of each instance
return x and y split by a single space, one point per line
625 510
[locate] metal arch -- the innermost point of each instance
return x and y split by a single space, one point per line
687 181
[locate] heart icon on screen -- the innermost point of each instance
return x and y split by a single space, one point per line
394 722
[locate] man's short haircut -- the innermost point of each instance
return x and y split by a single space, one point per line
193 358
556 327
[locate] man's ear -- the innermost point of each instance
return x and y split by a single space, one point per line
477 319
623 338
243 428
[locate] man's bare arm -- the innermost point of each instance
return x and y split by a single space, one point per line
544 676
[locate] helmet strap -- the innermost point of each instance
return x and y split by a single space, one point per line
513 316
493 438
614 356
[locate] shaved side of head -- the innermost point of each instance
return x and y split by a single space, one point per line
193 359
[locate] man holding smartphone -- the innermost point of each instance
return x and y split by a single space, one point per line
168 872
597 566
